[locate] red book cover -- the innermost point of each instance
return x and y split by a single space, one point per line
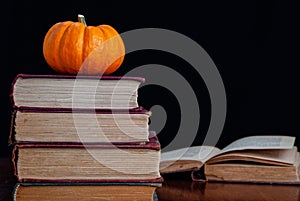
152 144
12 139
139 81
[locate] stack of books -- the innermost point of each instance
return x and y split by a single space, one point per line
79 136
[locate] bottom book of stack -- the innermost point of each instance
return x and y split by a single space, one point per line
85 191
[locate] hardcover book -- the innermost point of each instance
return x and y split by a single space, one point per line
253 159
83 126
82 138
85 191
59 162
71 91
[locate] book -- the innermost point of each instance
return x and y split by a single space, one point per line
101 162
174 189
83 126
71 91
251 159
85 191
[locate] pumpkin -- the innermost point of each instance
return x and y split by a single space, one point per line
73 47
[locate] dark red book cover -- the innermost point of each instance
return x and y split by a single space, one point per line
95 77
11 139
152 144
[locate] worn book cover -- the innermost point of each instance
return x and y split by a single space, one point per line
64 125
71 91
85 191
67 162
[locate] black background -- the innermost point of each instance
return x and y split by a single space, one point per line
254 44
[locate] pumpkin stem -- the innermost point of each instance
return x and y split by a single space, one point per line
82 19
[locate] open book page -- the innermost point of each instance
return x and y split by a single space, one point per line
186 158
198 153
270 156
261 142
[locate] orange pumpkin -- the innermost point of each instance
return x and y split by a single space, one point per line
73 47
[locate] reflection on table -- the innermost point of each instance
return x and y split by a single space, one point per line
181 189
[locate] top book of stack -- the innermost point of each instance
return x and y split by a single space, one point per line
75 92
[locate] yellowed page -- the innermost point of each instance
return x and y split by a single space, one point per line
199 153
270 156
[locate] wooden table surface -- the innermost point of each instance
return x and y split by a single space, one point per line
174 189
177 188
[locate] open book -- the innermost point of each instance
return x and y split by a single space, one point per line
259 159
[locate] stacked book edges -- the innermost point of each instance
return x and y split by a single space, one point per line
61 162
70 91
79 126
82 138
85 191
